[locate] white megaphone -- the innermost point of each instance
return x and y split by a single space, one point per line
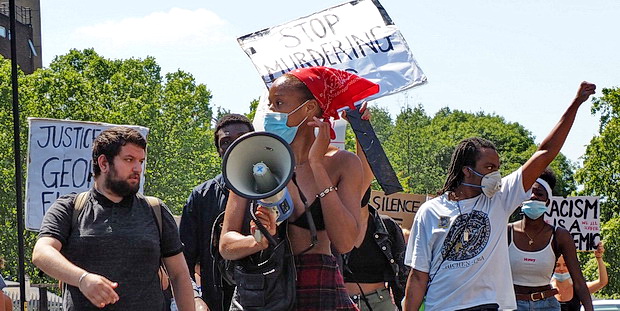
258 166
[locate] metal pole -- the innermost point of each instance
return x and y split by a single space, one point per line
18 164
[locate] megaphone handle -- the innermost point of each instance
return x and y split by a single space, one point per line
264 232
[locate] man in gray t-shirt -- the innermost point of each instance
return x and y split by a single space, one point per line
109 255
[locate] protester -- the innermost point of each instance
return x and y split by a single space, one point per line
534 247
203 206
108 255
563 281
329 177
379 253
457 247
6 304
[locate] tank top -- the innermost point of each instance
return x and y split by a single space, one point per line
572 305
531 268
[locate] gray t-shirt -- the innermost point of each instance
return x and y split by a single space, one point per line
119 241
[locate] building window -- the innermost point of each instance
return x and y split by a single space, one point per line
2 32
32 49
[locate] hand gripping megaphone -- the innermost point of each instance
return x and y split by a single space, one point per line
258 166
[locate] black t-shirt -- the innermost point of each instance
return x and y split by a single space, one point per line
119 241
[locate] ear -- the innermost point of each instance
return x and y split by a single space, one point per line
103 163
466 172
314 106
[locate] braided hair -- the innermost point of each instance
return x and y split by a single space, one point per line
466 154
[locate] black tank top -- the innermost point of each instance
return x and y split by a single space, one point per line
317 216
572 305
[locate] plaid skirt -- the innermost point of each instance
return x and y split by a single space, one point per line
320 285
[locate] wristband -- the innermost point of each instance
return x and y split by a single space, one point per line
327 190
82 277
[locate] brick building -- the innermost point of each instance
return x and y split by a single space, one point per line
28 28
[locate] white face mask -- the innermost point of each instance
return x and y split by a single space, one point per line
490 183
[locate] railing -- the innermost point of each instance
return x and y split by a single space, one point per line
40 302
22 14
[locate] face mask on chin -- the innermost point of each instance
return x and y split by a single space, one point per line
275 122
562 277
533 209
490 183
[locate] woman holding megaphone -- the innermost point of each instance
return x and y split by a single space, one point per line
331 179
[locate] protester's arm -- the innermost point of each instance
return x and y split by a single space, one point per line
551 145
602 280
47 257
415 291
181 284
341 209
233 244
568 251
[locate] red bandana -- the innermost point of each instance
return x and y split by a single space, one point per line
334 89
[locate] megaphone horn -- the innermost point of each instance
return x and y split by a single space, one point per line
258 166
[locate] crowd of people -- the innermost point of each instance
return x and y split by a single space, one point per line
115 249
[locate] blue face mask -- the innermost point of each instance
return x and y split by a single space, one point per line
275 122
561 276
533 209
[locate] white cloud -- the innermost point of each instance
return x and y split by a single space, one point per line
178 26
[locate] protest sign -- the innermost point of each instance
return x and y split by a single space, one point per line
580 216
400 206
59 162
357 36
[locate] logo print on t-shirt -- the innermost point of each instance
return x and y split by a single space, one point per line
478 232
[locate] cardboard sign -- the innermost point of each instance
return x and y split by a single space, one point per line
59 162
400 206
357 36
580 216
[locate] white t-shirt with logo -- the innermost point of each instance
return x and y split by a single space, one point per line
477 269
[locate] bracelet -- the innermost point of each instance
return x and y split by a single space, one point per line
327 190
82 277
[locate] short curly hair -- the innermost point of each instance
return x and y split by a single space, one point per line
110 142
228 119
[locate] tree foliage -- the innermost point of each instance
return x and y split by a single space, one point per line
82 85
600 176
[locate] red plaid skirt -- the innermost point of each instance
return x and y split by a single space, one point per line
320 285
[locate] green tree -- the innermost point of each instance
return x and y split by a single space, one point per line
600 176
253 106
82 85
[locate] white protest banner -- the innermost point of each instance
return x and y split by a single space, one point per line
357 36
400 206
59 162
580 216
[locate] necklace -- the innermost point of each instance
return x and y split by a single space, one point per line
528 236
466 232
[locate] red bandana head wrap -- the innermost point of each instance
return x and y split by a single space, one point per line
334 89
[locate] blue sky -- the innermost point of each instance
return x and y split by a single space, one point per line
522 59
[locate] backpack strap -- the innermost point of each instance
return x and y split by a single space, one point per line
78 205
155 204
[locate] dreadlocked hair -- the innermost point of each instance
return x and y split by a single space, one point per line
465 154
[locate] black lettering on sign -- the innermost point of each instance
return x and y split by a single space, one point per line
591 206
331 52
586 241
575 227
577 210
67 137
56 173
